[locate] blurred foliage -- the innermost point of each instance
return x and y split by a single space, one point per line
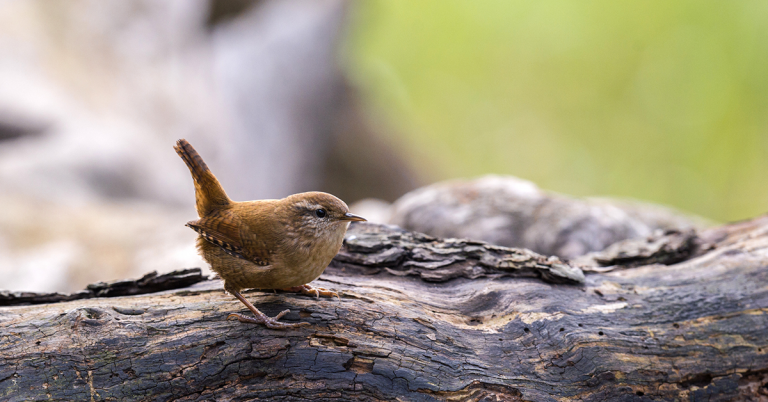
655 100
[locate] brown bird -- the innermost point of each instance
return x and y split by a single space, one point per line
265 244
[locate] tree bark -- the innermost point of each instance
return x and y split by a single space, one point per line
421 318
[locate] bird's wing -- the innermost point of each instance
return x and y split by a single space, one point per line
224 229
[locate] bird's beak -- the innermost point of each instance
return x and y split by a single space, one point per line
352 217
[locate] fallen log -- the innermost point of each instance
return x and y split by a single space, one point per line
421 318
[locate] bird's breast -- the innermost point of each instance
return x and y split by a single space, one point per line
307 258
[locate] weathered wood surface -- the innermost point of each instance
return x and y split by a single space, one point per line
149 283
693 330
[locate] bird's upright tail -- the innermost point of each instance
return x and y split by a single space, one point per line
209 195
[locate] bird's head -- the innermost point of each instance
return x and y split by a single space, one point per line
319 214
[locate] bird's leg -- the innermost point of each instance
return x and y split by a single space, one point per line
261 318
313 291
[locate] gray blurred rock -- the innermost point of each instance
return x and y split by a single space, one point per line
511 212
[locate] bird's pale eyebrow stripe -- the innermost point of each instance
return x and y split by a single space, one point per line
304 204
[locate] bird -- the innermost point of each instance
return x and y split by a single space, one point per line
265 244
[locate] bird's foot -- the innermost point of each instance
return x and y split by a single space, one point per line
269 322
313 291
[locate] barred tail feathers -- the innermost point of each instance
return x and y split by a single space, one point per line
209 195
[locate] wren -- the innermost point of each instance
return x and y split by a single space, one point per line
265 244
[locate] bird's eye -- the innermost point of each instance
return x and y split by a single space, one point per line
320 213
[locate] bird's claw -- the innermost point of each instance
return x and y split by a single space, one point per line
313 291
269 322
317 292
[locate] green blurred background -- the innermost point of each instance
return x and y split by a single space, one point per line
654 100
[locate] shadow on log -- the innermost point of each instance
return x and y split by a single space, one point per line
426 319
